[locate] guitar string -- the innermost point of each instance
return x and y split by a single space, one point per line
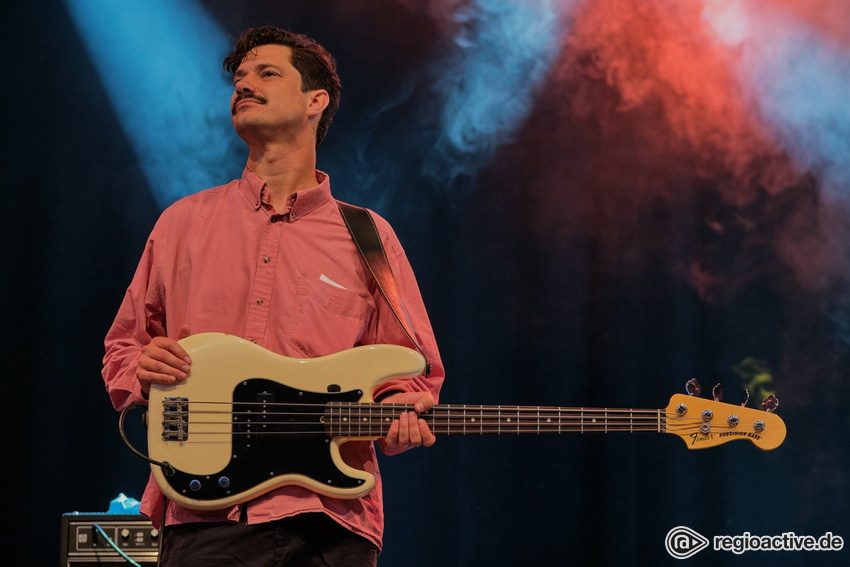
194 436
506 413
461 413
375 424
373 431
384 408
375 418
382 411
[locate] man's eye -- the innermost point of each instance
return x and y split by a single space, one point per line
268 74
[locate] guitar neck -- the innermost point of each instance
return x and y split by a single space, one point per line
374 420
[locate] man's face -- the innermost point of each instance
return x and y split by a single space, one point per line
267 100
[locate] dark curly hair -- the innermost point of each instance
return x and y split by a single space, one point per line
315 64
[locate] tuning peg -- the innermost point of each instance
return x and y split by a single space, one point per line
770 403
745 397
717 392
692 387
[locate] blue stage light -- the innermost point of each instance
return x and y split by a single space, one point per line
160 63
800 77
503 53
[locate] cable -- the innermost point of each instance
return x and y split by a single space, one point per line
115 546
166 467
161 532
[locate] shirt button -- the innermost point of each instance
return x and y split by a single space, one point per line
266 259
259 302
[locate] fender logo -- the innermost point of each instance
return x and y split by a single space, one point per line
699 437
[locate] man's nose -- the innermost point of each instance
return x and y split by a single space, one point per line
244 85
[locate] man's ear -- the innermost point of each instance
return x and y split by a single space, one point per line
318 102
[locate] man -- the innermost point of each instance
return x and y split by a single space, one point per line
268 258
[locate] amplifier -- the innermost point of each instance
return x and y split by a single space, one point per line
82 544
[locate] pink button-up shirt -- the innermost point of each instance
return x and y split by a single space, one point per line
223 260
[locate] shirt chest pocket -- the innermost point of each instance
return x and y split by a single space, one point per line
325 317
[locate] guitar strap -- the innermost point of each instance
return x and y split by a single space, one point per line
368 241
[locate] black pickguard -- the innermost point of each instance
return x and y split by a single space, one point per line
270 440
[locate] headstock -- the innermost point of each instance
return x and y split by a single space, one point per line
706 423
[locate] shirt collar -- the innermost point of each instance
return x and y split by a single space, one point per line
252 187
308 200
301 203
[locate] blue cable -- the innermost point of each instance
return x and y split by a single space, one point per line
115 546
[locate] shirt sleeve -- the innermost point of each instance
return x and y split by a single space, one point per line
139 319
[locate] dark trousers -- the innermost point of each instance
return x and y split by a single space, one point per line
306 540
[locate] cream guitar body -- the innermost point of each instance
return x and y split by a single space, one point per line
247 420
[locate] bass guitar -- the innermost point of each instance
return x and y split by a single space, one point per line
246 421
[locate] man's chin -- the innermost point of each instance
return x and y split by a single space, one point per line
250 127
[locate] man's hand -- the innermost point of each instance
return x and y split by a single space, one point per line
409 430
163 361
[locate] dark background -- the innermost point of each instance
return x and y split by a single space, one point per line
591 258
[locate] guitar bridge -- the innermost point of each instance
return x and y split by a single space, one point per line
175 418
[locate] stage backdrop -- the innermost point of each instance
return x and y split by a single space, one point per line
602 199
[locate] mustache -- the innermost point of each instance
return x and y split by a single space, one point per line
244 96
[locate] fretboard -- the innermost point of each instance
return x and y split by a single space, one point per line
373 420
